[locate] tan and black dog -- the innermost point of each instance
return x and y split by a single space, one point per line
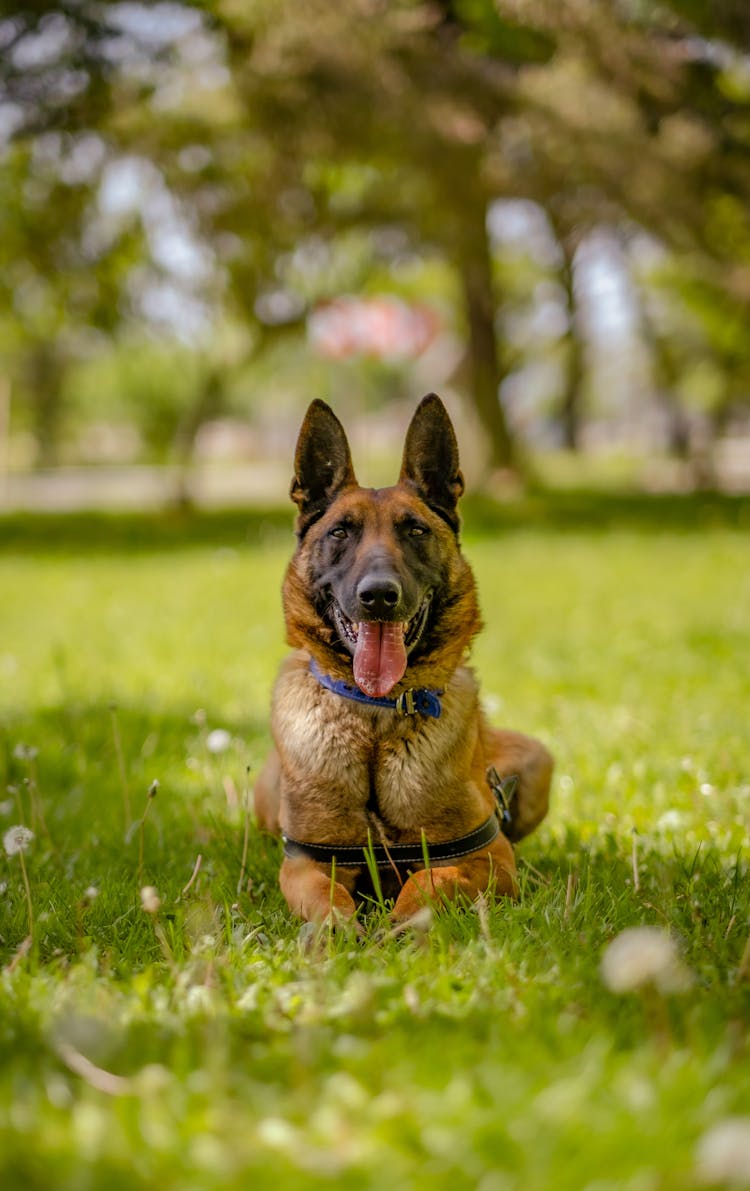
380 741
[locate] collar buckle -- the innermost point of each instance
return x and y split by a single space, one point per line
405 703
505 790
418 701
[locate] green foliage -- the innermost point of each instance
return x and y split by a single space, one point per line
223 1044
487 31
148 385
281 153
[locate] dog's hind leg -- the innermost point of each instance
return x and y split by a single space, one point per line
267 793
512 752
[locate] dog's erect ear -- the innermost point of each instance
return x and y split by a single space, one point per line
322 464
430 464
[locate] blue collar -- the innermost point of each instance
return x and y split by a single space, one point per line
421 700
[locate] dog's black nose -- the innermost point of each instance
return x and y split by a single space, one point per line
378 596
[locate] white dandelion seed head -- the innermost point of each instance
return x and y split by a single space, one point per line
17 839
90 894
644 955
25 752
724 1153
152 1079
218 741
150 899
277 1133
199 999
671 820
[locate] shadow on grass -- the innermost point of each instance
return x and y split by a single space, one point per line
596 511
168 529
60 774
576 894
563 511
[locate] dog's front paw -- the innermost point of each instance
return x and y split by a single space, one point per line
424 888
312 895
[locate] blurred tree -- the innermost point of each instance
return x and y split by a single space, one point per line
414 116
92 242
60 288
374 115
698 333
268 143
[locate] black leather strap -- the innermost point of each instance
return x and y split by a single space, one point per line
399 854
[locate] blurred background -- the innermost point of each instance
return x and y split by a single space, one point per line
211 213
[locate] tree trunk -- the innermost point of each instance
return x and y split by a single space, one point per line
209 403
678 427
5 398
475 265
666 375
45 374
571 412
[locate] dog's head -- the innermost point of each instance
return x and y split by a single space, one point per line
378 584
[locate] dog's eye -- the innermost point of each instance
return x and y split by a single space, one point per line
339 531
417 531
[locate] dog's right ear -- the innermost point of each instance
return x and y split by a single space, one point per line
322 464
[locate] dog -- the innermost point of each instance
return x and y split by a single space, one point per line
385 776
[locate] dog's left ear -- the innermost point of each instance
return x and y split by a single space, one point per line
430 463
322 464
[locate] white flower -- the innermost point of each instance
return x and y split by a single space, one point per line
150 899
640 956
671 820
218 741
25 752
278 1133
204 943
724 1153
90 894
152 1079
17 839
199 999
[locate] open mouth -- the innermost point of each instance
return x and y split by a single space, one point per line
380 648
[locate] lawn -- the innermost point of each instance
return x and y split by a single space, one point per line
212 1044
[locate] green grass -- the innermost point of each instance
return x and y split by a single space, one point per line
485 1052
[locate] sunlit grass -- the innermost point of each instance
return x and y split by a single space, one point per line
223 1049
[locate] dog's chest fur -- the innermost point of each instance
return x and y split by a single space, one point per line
346 767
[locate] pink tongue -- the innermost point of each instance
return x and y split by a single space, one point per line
379 657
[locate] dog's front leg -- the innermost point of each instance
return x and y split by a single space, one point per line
310 892
492 871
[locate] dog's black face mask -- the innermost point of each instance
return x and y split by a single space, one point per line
375 568
379 560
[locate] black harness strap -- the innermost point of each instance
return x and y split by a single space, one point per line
395 854
353 855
